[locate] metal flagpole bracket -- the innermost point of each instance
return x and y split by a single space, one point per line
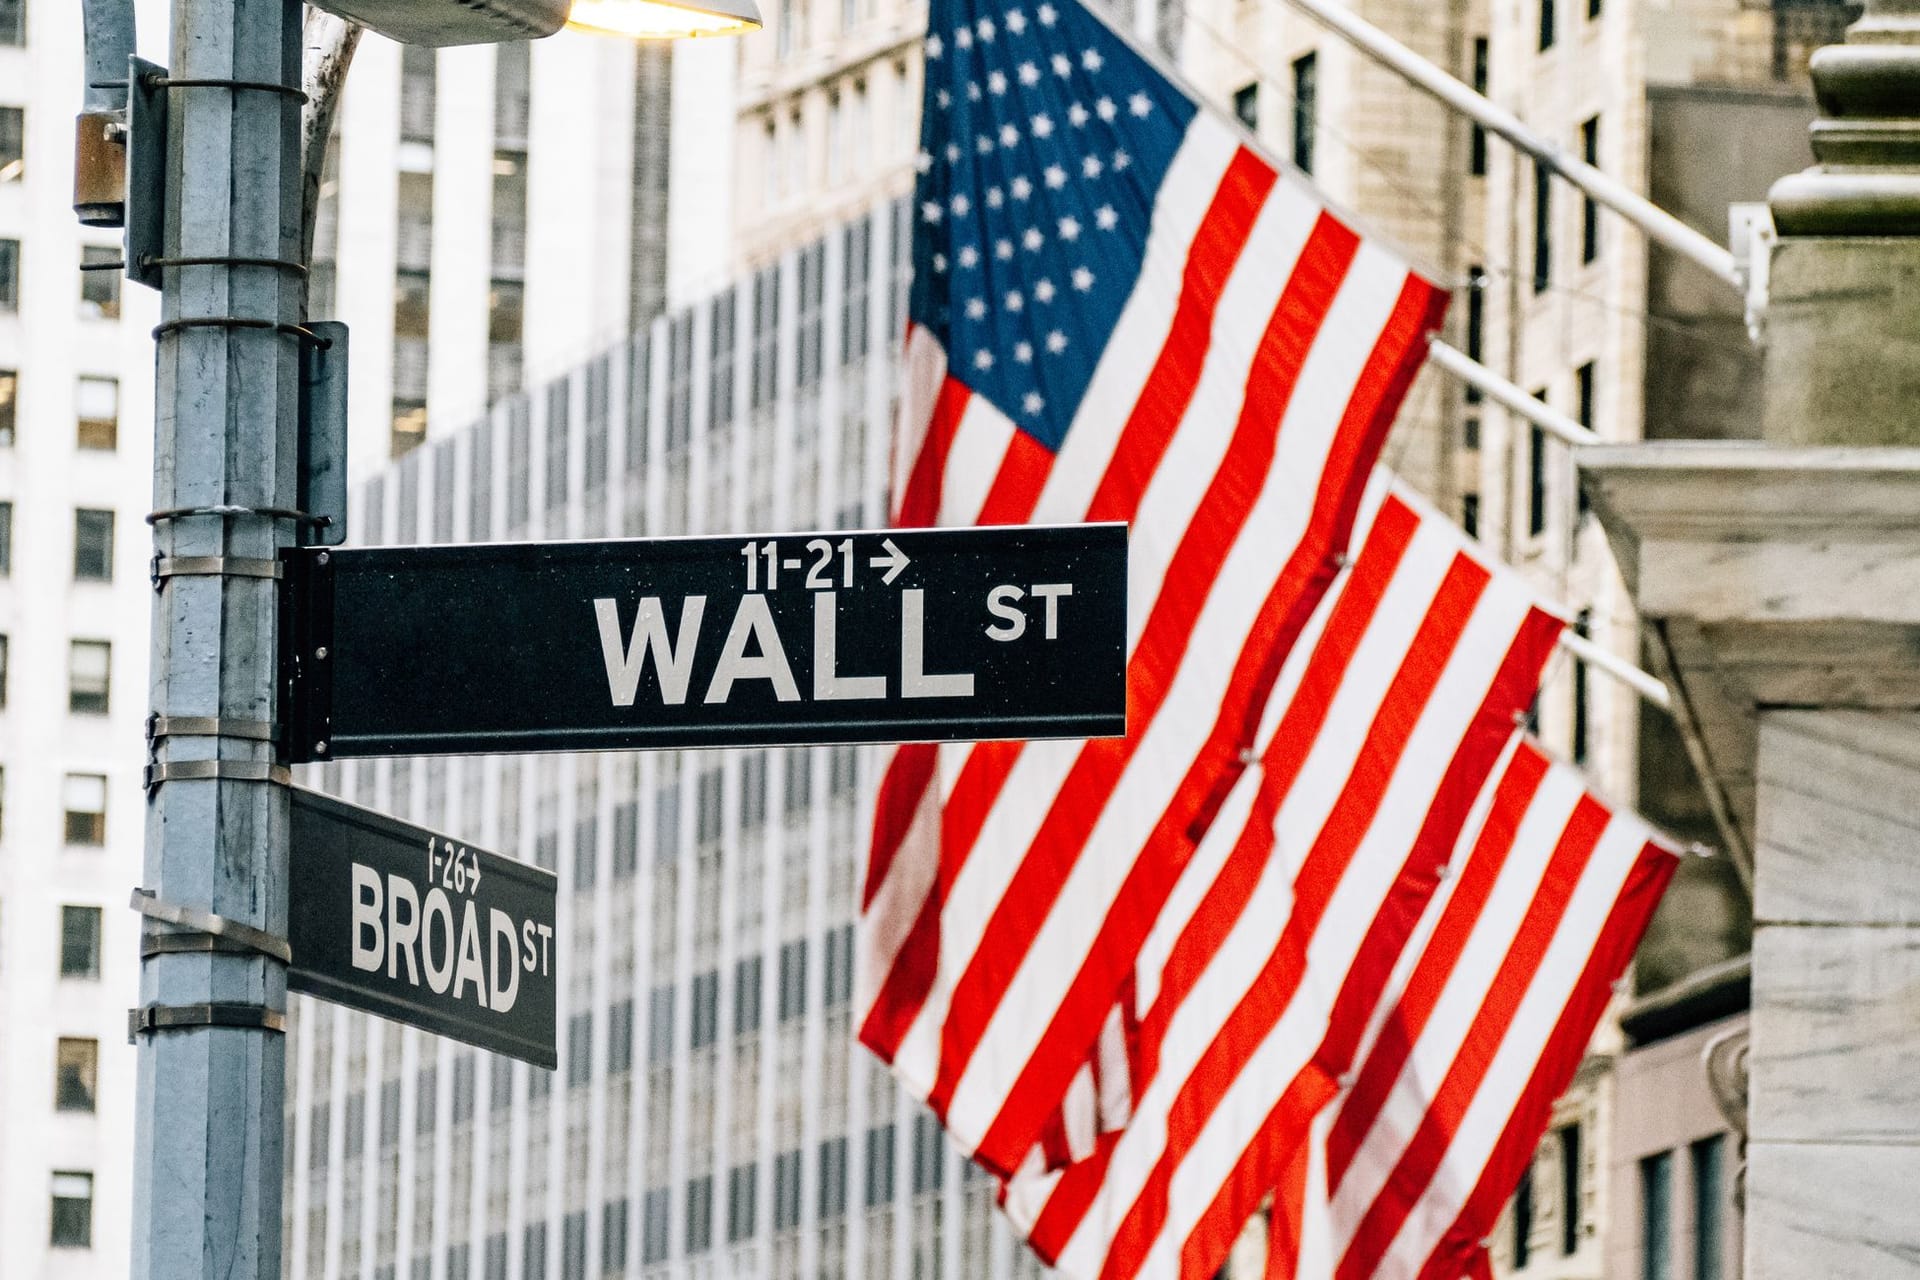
151 1018
201 930
216 771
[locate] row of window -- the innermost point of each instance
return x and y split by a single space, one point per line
786 148
96 406
89 676
92 543
1305 72
100 268
1550 21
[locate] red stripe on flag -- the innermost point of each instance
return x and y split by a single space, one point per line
1402 1028
1375 1232
1016 486
1565 1048
1169 388
920 499
901 791
1029 899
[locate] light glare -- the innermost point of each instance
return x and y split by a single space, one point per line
656 20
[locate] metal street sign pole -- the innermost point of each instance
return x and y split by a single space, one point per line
212 1051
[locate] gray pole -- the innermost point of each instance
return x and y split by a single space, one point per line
208 1148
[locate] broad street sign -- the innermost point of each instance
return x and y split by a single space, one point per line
895 635
409 924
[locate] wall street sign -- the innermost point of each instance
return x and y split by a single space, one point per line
894 635
418 927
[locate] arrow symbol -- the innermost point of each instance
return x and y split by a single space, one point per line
895 560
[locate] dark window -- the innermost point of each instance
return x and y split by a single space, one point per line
1542 229
638 363
318 1124
854 337
417 76
79 942
9 275
833 1178
73 1210
1547 25
753 789
443 492
100 285
13 22
1470 514
356 1125
1570 1198
579 1048
1582 626
1709 1224
1477 139
1589 211
519 468
746 995
594 442
766 322
1476 322
786 1190
660 1025
463 1087
839 948
13 138
500 1085
1470 433
76 1074
653 1226
793 979
799 781
706 816
1523 1219
9 406
426 1103
1536 478
459 1262
573 1246
928 1142
3 671
720 361
1246 106
389 1112
700 1214
6 539
808 344
613 1238
1593 8
559 431
586 852
92 545
679 380
497 1256
879 1189
666 822
620 1037
96 413
742 1188
626 840
705 995
533 1249
843 778
480 484
84 796
1656 1216
1306 92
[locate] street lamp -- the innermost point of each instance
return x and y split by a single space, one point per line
444 22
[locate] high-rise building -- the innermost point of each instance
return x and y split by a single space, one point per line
491 217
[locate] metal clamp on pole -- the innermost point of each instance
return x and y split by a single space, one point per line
215 771
148 1019
198 925
165 567
159 726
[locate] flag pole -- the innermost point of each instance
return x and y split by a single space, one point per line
1505 394
1617 196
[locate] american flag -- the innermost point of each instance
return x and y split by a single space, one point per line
1482 1027
1265 969
1119 312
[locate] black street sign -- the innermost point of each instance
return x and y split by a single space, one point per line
412 925
895 635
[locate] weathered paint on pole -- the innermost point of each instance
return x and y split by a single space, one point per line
208 1147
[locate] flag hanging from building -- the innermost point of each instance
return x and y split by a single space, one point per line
1119 312
1261 975
1485 1024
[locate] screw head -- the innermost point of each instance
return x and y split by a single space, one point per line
320 747
321 652
324 558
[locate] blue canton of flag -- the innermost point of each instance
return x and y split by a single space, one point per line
1043 142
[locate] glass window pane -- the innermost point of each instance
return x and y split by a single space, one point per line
79 942
85 797
92 546
88 666
97 410
76 1074
72 1210
1656 1216
9 398
100 287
